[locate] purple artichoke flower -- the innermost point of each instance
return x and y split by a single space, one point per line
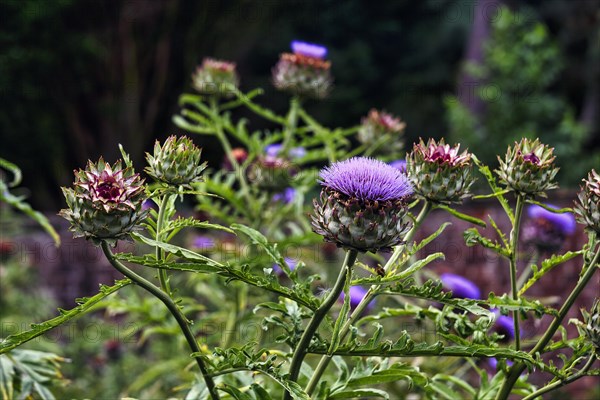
286 197
363 205
309 49
357 293
547 230
304 72
460 287
274 150
291 262
203 242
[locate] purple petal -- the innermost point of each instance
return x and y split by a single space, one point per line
460 287
309 49
366 179
400 165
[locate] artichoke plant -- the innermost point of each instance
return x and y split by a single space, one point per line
378 124
438 172
105 202
305 72
590 327
176 162
363 205
215 78
587 210
528 168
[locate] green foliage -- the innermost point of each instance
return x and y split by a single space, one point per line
515 83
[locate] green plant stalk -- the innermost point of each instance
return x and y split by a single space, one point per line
173 308
360 308
514 249
516 370
292 122
525 274
163 276
228 150
241 295
313 325
555 385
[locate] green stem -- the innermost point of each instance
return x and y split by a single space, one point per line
518 368
525 274
514 246
313 325
360 308
162 273
173 308
227 148
555 385
292 122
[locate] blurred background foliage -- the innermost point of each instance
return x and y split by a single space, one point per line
76 77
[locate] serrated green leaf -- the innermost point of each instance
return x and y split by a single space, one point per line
359 393
462 216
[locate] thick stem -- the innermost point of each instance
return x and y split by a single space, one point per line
514 249
555 385
162 273
173 308
518 368
324 362
318 316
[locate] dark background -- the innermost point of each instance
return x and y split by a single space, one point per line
78 77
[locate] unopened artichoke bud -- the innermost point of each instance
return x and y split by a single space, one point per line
363 205
106 202
590 327
378 124
176 162
439 173
587 210
528 168
305 72
215 78
273 174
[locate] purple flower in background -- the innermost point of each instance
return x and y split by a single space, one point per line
547 230
400 165
309 49
564 222
505 326
149 204
274 150
291 262
356 295
460 287
493 362
203 242
366 179
287 196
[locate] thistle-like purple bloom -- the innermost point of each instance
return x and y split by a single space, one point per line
363 205
286 197
309 49
366 179
291 262
564 222
274 150
357 293
460 287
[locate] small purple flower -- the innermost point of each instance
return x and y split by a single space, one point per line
357 293
460 287
274 150
400 165
564 222
291 262
203 242
493 362
149 204
366 179
286 197
309 49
